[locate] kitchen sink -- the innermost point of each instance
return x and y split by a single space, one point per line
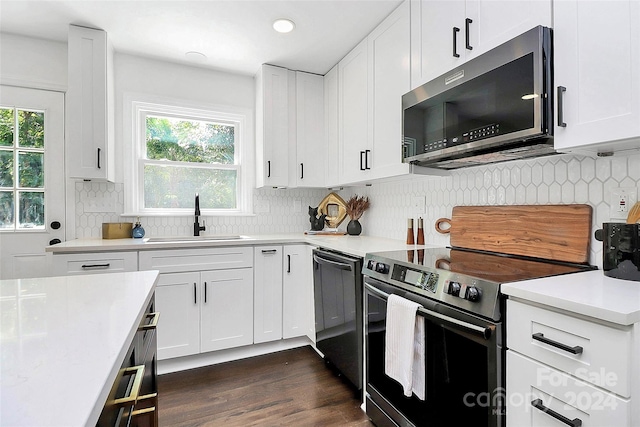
216 237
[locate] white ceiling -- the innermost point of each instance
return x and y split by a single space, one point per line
235 35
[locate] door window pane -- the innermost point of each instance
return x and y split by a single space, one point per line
6 209
31 170
31 210
169 187
31 129
6 127
6 168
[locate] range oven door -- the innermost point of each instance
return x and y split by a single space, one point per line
463 367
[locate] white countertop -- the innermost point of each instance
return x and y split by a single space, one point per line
354 245
589 293
63 341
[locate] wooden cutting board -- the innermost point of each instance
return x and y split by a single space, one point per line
558 232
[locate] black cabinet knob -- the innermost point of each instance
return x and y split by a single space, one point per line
55 225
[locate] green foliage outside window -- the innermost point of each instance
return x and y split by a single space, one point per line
205 144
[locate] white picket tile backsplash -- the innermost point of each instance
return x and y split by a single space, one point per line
548 180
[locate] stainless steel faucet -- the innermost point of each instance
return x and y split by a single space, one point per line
197 228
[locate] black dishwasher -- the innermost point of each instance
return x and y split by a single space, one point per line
337 280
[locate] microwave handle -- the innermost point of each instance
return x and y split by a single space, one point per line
456 30
561 91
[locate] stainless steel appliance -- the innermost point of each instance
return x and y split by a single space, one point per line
495 107
620 250
337 282
459 291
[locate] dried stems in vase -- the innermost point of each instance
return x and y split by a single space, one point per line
356 206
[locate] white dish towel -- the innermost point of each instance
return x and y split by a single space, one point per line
405 345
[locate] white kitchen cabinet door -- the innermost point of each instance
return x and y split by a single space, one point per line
494 22
597 61
267 293
310 165
390 75
331 126
90 105
177 298
226 315
432 38
297 290
272 127
353 114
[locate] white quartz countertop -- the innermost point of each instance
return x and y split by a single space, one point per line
63 342
589 293
354 245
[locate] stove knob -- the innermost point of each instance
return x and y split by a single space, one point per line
454 288
473 294
371 265
382 268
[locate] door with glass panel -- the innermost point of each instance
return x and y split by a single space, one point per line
32 183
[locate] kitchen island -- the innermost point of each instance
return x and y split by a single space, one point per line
63 342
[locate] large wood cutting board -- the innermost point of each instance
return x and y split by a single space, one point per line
558 232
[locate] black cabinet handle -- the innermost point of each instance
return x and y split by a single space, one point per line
466 33
456 30
268 168
561 91
366 159
99 150
576 422
362 167
205 292
269 251
288 263
88 266
55 225
195 294
301 170
54 241
573 350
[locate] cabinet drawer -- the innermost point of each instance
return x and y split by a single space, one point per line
592 351
183 260
103 262
531 383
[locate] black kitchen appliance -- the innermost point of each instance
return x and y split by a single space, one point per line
620 250
495 107
337 280
459 294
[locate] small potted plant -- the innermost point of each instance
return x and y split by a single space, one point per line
355 207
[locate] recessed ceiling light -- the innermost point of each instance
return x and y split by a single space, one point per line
283 25
196 56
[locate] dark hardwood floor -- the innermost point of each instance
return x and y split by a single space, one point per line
288 388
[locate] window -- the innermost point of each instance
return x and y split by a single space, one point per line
184 151
22 198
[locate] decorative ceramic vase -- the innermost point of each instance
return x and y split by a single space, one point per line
354 228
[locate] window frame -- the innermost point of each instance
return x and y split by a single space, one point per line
134 174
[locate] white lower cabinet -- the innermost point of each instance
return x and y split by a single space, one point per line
90 263
297 285
268 293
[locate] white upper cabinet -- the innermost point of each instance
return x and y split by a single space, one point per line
90 105
597 75
272 127
353 115
445 34
289 129
310 164
331 128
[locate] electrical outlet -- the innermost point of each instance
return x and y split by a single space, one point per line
297 206
419 204
621 200
99 204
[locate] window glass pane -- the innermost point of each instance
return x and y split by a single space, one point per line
6 127
31 210
168 187
6 209
189 140
30 129
6 168
31 170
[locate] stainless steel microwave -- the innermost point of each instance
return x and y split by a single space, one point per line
495 107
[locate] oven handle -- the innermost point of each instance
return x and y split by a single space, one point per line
485 332
340 265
